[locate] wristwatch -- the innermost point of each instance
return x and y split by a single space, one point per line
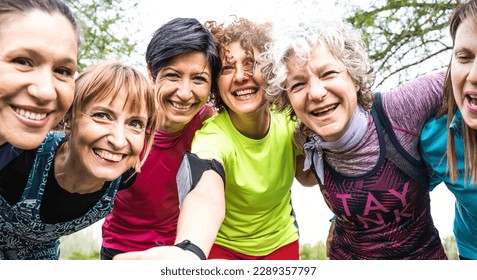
189 246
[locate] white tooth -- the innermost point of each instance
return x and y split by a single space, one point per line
182 107
244 92
109 156
30 115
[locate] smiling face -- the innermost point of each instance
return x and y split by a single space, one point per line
183 87
241 90
322 93
464 71
38 60
108 136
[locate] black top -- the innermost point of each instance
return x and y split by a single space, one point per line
58 205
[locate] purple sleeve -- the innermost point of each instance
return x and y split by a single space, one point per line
411 104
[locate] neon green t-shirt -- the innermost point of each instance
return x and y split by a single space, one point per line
259 174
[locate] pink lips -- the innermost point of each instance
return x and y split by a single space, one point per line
471 108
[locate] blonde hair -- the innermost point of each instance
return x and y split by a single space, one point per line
106 79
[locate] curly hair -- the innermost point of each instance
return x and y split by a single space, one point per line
301 41
242 30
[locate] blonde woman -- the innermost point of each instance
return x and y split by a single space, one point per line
70 181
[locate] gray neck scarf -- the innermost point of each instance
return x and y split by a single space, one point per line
314 147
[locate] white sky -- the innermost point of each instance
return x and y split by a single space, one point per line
153 13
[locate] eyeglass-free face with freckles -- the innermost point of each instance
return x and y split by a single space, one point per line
241 84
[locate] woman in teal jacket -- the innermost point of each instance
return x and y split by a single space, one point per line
453 131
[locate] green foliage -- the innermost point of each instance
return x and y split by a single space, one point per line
85 245
315 252
450 247
405 38
78 255
82 245
106 30
318 251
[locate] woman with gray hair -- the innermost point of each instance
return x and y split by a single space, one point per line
362 147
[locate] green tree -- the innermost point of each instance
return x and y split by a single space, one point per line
450 247
315 252
78 255
405 38
106 29
83 244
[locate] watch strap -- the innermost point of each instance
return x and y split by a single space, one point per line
189 246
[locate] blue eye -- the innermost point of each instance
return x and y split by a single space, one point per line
137 124
101 115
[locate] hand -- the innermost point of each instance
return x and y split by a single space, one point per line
329 239
158 253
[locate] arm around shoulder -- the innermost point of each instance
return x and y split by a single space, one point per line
305 178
